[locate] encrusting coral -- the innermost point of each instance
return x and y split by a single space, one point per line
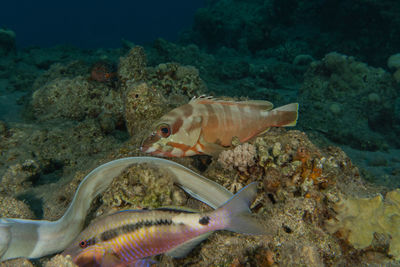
359 219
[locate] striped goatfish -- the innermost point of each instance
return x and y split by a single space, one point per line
129 238
207 126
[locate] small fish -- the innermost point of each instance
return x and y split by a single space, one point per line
207 126
129 238
103 72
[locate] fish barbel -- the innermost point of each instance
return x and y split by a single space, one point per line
129 238
207 126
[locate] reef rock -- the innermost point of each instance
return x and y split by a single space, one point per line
356 103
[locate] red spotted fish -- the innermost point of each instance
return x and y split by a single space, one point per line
131 237
207 126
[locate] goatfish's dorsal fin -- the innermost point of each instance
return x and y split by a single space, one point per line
183 249
256 104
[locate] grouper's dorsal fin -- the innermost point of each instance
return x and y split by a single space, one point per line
256 104
183 249
261 104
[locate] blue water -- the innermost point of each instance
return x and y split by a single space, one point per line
91 24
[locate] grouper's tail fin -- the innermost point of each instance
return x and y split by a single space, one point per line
283 116
237 214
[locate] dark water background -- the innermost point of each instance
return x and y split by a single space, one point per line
93 24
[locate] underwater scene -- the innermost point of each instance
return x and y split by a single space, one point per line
200 133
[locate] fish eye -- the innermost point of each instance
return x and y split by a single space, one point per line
164 130
83 244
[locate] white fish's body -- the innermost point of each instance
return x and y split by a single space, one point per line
207 126
130 237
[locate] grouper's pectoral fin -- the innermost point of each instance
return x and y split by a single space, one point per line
183 249
212 149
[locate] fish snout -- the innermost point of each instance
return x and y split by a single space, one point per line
148 144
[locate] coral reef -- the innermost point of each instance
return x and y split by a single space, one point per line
79 123
357 102
300 184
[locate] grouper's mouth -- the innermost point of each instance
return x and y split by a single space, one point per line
148 143
150 146
152 150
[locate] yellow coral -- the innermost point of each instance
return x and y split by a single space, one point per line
361 218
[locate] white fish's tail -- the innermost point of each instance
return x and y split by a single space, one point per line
283 116
235 213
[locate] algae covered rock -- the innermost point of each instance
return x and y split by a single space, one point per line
13 208
143 104
75 98
141 186
60 261
133 65
175 79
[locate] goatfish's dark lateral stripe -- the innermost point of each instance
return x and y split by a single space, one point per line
128 228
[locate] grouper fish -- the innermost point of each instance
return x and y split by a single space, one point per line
207 126
131 237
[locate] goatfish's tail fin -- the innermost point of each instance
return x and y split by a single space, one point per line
236 212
